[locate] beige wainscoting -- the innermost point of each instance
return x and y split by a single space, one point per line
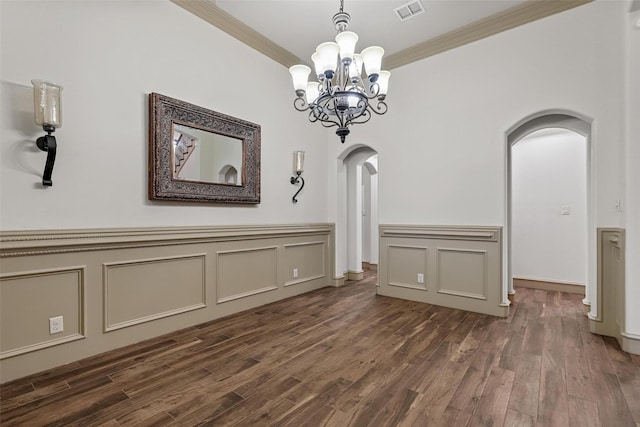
115 287
452 266
608 315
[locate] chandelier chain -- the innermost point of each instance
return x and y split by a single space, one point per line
341 6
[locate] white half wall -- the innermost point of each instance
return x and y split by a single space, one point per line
549 207
109 56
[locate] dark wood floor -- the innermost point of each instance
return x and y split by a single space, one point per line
341 357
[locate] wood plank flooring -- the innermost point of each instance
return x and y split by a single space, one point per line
346 357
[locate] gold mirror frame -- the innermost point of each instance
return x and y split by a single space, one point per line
163 113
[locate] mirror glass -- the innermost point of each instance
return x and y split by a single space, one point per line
204 156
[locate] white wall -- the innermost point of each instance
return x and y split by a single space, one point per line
549 172
631 200
110 56
442 144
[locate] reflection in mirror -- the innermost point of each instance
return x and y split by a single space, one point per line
204 156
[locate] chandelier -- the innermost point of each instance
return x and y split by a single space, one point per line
342 96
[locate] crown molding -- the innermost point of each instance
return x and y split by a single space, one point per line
207 10
528 11
523 13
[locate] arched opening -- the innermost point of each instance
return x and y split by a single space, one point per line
548 210
228 175
549 127
357 219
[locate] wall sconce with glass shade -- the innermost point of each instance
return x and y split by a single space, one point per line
298 167
47 101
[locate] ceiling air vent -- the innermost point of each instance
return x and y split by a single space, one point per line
409 10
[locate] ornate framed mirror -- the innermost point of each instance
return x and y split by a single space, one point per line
200 155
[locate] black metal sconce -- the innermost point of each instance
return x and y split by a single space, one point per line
48 114
298 162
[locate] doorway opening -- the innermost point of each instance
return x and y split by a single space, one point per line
548 210
357 220
548 234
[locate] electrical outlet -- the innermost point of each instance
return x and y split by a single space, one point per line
295 273
420 278
56 325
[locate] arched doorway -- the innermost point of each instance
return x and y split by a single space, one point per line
228 175
548 120
356 165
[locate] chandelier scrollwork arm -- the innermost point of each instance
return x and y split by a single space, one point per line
380 108
300 104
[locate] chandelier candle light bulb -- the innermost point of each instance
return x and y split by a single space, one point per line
383 83
299 74
328 52
347 41
317 63
341 95
372 58
355 69
312 92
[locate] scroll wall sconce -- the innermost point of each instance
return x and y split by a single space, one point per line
48 114
298 163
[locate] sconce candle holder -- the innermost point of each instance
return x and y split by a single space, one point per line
48 114
298 161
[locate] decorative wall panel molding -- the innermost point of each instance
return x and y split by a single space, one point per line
461 266
29 298
139 283
140 291
308 259
470 281
405 263
246 272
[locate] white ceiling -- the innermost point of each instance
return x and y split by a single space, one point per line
300 25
